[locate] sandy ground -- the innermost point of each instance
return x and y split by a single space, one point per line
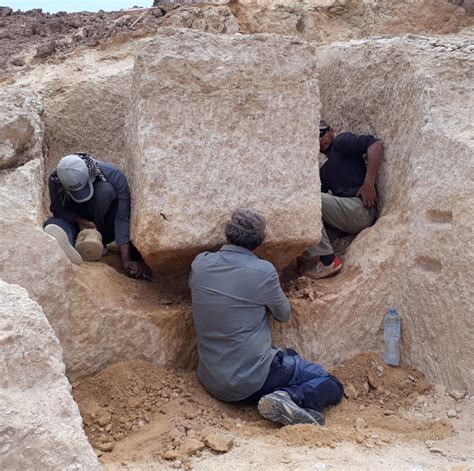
141 417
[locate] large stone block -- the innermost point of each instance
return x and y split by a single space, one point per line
216 123
418 257
41 427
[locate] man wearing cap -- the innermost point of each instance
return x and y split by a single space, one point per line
350 178
89 194
233 293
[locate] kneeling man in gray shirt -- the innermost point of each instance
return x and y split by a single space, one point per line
233 292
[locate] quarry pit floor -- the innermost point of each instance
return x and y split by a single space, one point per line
150 418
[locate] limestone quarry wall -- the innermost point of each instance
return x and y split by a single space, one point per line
88 117
85 111
41 427
418 258
216 123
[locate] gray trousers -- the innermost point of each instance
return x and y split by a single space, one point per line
339 215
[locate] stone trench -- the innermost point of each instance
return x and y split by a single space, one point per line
168 116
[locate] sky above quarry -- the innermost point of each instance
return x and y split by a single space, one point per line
53 6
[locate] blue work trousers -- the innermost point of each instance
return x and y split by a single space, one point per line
309 384
100 209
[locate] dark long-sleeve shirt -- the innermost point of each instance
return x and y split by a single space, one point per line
344 171
232 291
62 206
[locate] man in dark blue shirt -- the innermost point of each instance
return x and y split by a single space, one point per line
89 194
350 206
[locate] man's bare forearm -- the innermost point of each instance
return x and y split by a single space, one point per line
374 160
125 253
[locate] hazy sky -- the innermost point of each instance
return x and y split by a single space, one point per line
53 6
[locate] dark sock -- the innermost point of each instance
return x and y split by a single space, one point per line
327 259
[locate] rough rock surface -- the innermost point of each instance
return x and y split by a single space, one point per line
217 19
41 427
342 20
418 258
28 256
88 115
210 130
468 5
21 127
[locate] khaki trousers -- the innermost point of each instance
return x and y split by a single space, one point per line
341 215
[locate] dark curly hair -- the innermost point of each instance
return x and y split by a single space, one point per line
246 229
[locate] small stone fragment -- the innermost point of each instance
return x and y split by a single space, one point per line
191 445
170 455
359 438
5 11
218 442
46 49
360 423
104 418
106 447
458 395
365 387
372 380
436 450
18 61
350 392
451 413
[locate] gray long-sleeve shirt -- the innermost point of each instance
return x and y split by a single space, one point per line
62 206
231 291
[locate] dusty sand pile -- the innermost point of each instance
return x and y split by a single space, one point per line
136 410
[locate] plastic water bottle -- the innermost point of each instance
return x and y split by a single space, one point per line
391 334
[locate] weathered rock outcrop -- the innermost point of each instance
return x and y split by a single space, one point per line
220 122
216 19
326 21
21 127
468 5
418 257
41 427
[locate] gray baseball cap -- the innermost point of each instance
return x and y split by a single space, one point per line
73 174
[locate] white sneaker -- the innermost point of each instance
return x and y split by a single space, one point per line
60 235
